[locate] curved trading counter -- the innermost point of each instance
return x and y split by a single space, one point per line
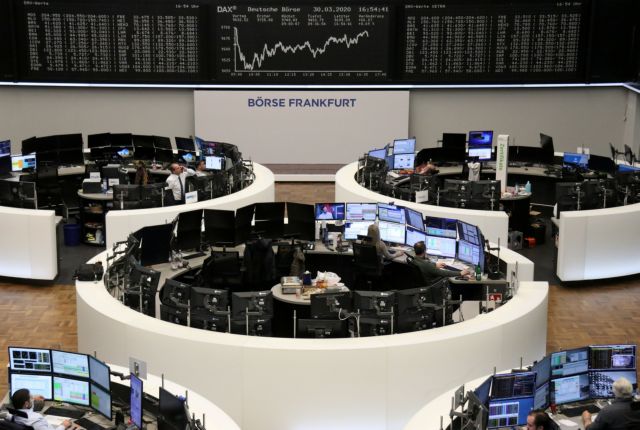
598 243
494 224
28 243
354 383
119 224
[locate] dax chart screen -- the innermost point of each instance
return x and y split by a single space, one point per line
306 42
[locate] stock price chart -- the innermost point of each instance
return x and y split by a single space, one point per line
301 43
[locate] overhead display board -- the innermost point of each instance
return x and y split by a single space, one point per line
7 55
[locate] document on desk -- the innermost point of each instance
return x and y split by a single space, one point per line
55 420
567 423
453 263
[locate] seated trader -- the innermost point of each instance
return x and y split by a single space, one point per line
201 168
426 168
430 270
381 248
539 420
21 400
618 415
176 181
142 175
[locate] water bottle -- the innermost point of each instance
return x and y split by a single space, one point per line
478 273
527 187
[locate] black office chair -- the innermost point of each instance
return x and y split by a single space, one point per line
284 258
10 424
368 266
259 265
47 185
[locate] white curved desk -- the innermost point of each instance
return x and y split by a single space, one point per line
599 243
119 224
274 383
28 243
494 224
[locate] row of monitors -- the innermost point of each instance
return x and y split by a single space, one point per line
559 378
62 376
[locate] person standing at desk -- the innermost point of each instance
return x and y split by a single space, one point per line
21 400
142 175
431 271
176 181
618 415
381 248
201 168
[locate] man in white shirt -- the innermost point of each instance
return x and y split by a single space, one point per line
22 401
176 181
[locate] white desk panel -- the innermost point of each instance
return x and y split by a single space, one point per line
276 383
494 224
119 224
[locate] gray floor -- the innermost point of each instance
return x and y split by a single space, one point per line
70 257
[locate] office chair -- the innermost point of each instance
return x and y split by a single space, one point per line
47 186
284 259
368 266
259 265
10 424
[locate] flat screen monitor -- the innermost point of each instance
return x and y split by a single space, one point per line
569 389
469 233
99 372
361 211
483 390
356 228
219 226
541 399
374 302
321 328
509 412
511 385
413 236
5 157
569 362
442 227
441 246
214 163
329 211
300 212
601 164
577 160
22 162
414 219
378 153
390 213
627 168
391 232
38 385
5 148
189 229
404 146
69 390
404 161
471 253
100 400
330 305
270 211
546 143
70 363
543 370
455 141
136 401
29 359
480 143
526 154
612 357
172 409
256 302
185 144
601 382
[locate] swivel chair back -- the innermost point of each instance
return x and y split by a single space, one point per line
368 266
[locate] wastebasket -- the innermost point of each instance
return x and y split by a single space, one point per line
72 234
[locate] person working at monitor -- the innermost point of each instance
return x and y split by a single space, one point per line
540 420
619 415
430 270
201 168
22 401
176 181
373 232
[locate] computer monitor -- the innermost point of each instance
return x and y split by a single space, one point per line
413 236
100 400
361 211
185 144
543 370
99 372
471 253
509 412
482 391
612 357
456 141
356 228
441 227
548 152
171 410
300 212
136 401
511 385
154 244
329 305
374 302
404 146
569 362
480 143
209 299
415 311
321 328
541 398
392 232
441 246
374 325
29 359
601 164
469 233
569 389
378 153
70 363
404 161
258 326
214 163
38 385
570 159
257 303
601 382
176 294
189 230
5 158
23 162
526 154
627 168
414 219
219 227
391 213
329 211
69 390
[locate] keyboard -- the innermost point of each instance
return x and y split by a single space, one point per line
194 255
89 425
577 410
64 412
